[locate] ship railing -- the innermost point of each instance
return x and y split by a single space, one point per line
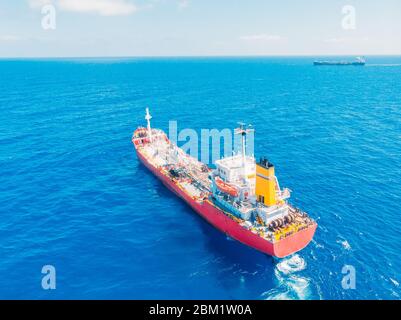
285 193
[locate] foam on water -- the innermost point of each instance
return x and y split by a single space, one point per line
384 65
278 294
290 285
345 244
290 265
395 282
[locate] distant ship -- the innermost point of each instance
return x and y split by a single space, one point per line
358 62
241 198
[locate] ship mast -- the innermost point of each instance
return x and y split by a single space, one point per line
147 118
243 132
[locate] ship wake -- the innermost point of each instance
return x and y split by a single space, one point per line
290 285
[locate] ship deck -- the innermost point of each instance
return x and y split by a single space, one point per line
192 177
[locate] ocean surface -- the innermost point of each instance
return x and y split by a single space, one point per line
73 194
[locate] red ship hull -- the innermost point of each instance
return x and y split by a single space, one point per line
221 221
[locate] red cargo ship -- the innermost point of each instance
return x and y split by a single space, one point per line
240 197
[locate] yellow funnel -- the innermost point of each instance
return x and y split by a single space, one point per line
265 183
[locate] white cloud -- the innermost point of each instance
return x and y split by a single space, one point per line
336 40
346 40
8 38
102 7
38 3
261 37
183 4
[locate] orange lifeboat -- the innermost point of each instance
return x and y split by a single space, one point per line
226 188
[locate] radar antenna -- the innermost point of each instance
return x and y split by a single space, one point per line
147 118
243 131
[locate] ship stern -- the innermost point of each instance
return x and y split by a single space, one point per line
294 243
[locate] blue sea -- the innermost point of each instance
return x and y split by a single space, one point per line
73 194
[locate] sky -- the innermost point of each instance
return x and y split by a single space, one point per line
101 28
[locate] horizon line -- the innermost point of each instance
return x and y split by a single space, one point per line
198 56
